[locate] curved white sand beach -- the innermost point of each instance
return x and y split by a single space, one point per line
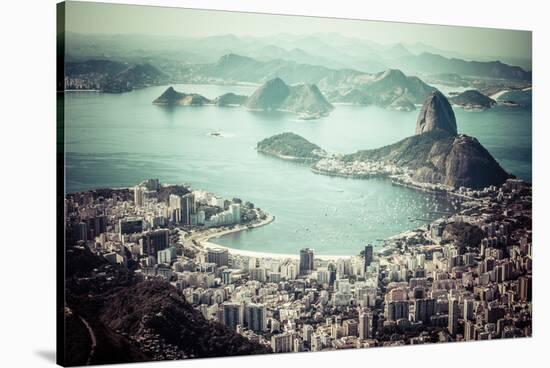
204 240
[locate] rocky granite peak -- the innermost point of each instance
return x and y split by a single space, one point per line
461 162
436 114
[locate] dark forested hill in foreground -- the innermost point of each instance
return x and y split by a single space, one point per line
133 321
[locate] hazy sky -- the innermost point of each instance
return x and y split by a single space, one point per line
133 19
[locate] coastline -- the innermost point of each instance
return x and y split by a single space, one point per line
287 158
348 176
205 242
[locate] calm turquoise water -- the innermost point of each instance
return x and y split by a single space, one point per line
119 140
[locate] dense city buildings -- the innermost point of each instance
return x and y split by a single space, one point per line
466 276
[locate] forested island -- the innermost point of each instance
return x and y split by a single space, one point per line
290 146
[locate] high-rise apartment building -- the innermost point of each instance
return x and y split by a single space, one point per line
306 261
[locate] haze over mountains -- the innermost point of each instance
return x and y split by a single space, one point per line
330 49
343 69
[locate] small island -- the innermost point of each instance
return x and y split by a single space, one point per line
171 97
473 100
290 146
230 99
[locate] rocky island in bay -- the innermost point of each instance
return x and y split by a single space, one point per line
171 97
290 146
230 99
473 100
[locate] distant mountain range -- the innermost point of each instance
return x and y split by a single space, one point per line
427 63
238 69
391 89
330 50
339 85
297 60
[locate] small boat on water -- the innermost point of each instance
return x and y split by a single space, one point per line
310 115
216 133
